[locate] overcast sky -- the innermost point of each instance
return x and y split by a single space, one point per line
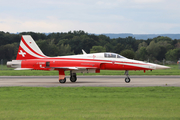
92 16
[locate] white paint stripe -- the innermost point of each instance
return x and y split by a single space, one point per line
31 43
77 60
29 51
142 66
85 60
136 65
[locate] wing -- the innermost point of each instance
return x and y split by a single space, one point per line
23 69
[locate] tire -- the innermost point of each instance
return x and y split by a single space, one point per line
73 78
127 80
62 80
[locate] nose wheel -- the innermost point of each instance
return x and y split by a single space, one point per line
127 79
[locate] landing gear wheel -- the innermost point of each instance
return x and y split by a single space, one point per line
127 80
73 78
62 80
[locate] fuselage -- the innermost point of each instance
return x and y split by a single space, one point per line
97 61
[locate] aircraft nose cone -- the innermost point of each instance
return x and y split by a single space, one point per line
161 67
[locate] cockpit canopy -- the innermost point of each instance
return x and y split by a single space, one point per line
113 55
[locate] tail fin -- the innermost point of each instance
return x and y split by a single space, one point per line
28 49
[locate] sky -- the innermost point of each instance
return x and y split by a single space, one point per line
92 16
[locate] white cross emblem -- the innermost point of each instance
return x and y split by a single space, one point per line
22 53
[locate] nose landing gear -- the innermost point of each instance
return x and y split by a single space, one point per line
127 79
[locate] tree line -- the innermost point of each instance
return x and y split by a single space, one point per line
69 43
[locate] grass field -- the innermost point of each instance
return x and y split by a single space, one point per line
90 103
4 71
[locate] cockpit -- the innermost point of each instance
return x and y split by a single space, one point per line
113 55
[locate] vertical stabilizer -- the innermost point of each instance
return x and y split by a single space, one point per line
28 49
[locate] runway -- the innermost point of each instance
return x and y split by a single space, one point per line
96 81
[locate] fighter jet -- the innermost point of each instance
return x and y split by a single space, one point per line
30 57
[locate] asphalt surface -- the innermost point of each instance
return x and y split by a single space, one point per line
107 81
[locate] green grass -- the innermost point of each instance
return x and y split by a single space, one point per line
174 70
141 103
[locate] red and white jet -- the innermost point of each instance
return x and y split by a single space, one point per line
30 57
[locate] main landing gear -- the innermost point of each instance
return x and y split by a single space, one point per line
62 78
127 79
73 77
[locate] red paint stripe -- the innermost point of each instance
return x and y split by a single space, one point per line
31 48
